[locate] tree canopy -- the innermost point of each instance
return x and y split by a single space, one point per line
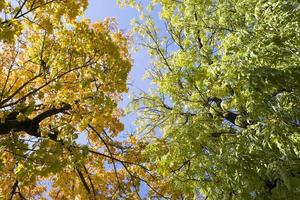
17 14
224 119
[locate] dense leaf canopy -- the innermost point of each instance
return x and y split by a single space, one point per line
224 120
44 13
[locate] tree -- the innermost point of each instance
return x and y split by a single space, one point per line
46 13
61 78
224 119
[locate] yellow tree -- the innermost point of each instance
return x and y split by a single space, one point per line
44 13
61 78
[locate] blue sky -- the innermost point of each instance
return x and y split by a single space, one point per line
100 9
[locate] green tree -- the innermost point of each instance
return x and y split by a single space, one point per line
224 120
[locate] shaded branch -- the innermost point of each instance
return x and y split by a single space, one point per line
30 126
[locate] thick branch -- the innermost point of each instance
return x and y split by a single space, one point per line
30 126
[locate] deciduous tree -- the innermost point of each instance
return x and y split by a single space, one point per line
224 119
16 14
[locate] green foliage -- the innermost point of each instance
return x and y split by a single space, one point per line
228 95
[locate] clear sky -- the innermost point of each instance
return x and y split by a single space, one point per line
100 9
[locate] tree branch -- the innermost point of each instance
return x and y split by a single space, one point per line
30 126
